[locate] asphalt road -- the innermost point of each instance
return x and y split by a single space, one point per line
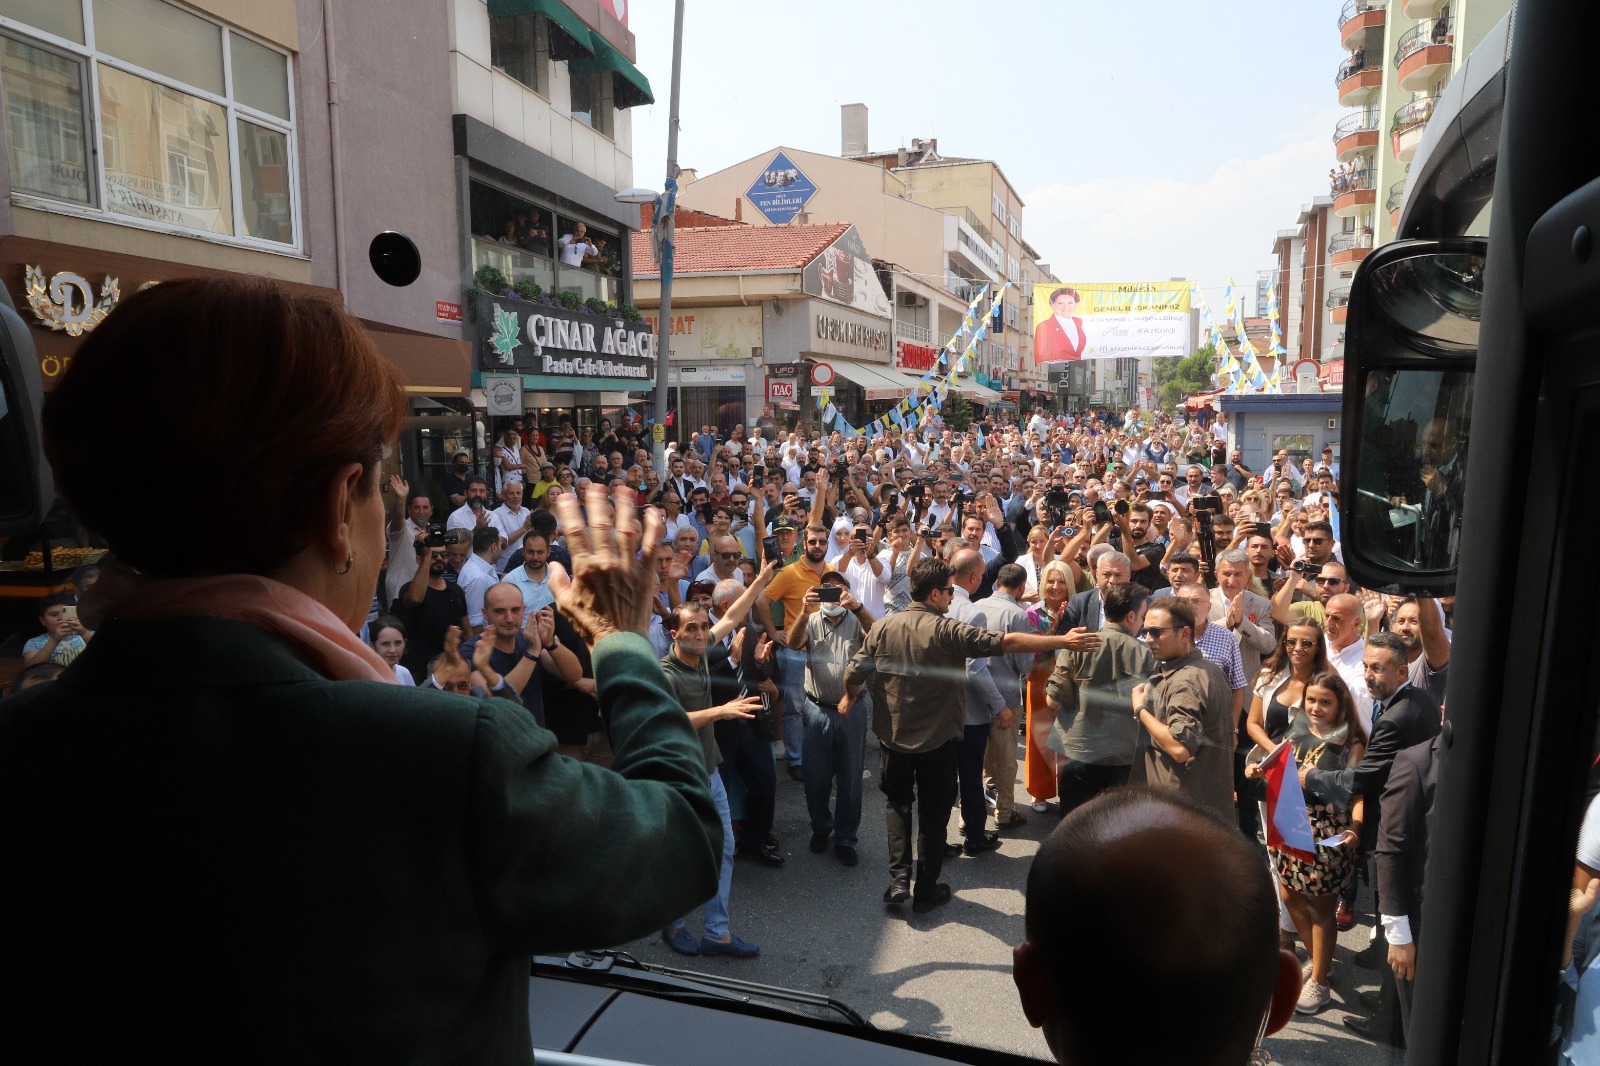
947 974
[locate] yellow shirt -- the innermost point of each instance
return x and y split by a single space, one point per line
790 585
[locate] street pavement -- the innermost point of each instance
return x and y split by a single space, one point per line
823 928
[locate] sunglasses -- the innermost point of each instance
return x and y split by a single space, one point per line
1155 631
1329 580
1299 644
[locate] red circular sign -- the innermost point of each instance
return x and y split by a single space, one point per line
822 374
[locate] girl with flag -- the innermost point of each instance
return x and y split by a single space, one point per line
1327 736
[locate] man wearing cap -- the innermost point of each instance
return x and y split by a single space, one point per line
1327 461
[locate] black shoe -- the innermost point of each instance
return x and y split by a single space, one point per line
937 898
897 892
1017 818
819 843
952 851
1371 1000
766 855
796 773
987 842
1376 1030
1372 956
846 854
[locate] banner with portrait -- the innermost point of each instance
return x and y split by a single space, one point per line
1111 320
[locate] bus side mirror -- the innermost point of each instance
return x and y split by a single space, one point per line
1411 345
26 487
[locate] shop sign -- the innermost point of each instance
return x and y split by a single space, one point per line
843 272
852 333
908 356
447 312
781 192
503 394
783 370
67 302
780 391
709 375
540 339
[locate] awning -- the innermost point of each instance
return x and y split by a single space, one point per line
877 383
976 393
576 34
629 88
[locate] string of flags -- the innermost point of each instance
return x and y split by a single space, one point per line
1241 371
927 397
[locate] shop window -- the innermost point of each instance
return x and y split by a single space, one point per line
195 120
591 100
519 46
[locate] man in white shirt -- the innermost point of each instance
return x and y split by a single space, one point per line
866 571
512 520
1346 649
410 517
474 514
575 245
478 574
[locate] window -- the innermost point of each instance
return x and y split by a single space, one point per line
520 47
999 208
591 100
195 119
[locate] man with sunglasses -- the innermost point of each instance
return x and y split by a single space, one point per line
788 593
1186 714
914 663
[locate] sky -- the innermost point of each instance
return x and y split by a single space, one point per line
1151 141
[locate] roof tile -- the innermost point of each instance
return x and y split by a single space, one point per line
730 249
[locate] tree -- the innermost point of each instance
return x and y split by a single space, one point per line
1178 378
957 412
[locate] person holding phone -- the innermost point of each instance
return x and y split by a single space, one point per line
64 636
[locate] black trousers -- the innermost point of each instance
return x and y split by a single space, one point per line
1080 782
928 779
746 754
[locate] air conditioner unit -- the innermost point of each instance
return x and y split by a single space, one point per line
908 299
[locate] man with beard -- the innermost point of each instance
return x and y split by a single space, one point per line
411 517
788 591
1420 626
1144 554
429 607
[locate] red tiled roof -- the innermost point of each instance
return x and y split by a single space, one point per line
730 249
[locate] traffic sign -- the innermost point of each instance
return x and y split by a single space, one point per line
822 374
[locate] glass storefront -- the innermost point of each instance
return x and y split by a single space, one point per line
521 240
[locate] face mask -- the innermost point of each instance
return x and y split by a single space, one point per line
832 610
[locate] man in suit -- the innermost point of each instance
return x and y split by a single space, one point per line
1060 337
1403 716
1400 856
1087 609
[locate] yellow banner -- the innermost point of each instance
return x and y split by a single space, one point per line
1111 320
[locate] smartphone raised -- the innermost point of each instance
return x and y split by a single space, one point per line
770 552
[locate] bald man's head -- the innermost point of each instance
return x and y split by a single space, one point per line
1140 898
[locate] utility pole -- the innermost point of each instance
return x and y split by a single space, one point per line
665 220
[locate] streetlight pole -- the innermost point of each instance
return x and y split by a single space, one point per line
669 206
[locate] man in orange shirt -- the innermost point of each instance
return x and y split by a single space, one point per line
789 589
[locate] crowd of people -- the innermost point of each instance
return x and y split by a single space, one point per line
1122 597
1124 594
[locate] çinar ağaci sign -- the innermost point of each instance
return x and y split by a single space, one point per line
541 339
1111 320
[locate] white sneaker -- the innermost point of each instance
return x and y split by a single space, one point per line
1259 1057
1040 807
1313 997
1305 972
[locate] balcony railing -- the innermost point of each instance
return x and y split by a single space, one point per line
1354 181
1355 63
1413 114
1356 122
518 265
1345 242
971 218
1352 8
910 331
1338 297
1420 36
1397 195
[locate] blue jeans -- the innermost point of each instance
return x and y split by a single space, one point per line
835 748
792 665
716 919
974 809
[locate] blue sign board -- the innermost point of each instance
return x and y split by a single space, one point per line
782 191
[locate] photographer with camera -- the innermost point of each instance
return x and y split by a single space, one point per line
1143 553
430 605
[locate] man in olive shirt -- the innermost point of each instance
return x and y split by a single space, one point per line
914 663
1187 712
1089 693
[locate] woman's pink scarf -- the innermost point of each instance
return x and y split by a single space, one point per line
260 601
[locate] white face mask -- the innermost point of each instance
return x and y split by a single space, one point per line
832 610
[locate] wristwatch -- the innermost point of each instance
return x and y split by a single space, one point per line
1137 711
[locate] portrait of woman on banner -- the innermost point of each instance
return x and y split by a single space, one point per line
1060 337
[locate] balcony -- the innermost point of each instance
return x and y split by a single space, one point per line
1359 16
1354 133
519 265
1349 248
1423 53
1357 78
1397 196
971 219
1420 9
910 331
1337 302
1352 192
1405 132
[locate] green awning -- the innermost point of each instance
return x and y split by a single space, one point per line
629 87
561 18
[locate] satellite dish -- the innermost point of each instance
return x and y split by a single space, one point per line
394 258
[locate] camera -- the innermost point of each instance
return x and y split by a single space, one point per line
1102 513
1123 507
829 593
1058 499
1211 504
927 532
435 535
840 472
1306 567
